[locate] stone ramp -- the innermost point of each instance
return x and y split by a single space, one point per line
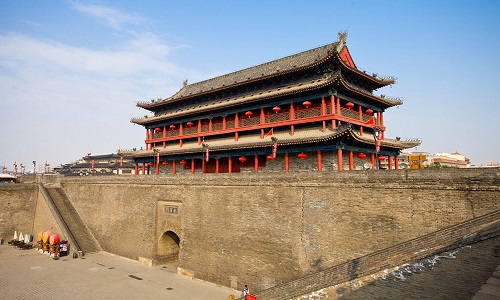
83 239
465 233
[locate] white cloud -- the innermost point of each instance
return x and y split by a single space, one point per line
113 17
62 101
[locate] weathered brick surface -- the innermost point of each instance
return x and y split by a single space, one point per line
270 228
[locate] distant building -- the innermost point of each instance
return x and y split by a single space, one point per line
92 165
491 164
314 110
420 160
449 160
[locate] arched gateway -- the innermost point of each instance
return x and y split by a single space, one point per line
168 248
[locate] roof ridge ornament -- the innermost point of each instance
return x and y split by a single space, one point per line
342 40
185 83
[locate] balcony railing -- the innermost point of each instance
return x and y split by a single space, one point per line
268 119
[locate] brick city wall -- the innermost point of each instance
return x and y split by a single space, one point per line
269 228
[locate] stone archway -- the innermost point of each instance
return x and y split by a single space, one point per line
168 248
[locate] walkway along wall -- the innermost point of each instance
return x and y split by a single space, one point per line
266 229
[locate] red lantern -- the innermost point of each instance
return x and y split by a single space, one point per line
307 103
189 124
182 162
165 163
270 157
158 129
381 158
276 109
349 105
302 155
249 114
369 111
361 155
172 126
150 164
242 159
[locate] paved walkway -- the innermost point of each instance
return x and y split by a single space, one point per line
27 274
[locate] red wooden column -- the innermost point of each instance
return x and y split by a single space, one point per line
147 139
210 125
256 163
230 164
389 161
372 160
332 105
216 165
396 163
174 167
262 116
236 125
136 168
287 163
143 169
323 112
192 165
360 111
224 123
351 160
320 162
338 105
382 123
339 159
292 117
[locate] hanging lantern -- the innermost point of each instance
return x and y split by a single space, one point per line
182 162
349 105
249 114
361 155
307 103
242 159
302 155
172 126
276 109
381 158
270 157
189 124
165 163
150 164
158 129
369 111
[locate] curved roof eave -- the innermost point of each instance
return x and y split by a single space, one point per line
387 101
278 92
285 65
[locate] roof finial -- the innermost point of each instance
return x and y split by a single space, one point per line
185 82
342 37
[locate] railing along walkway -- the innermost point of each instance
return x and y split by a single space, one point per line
407 252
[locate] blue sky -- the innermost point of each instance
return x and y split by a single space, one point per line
71 71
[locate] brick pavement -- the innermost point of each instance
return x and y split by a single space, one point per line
27 274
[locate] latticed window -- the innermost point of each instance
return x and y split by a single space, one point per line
204 128
230 124
349 113
277 118
307 113
217 126
157 135
249 121
190 130
173 133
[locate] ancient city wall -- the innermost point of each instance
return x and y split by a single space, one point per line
268 228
